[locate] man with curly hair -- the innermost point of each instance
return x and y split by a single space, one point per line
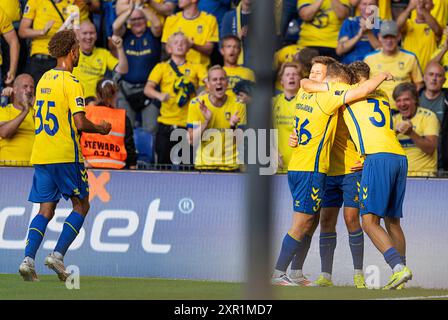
56 155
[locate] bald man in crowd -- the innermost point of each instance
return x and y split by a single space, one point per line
17 123
94 62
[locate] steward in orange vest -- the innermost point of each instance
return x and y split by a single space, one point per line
115 150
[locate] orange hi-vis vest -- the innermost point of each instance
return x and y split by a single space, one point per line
105 151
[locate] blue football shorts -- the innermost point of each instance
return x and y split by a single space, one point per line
307 189
343 189
383 185
51 181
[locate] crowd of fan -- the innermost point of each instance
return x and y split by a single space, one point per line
153 57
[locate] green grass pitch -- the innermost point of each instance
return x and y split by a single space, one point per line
103 288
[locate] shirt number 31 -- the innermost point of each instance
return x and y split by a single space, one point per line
50 124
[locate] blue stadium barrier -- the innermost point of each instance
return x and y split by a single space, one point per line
192 226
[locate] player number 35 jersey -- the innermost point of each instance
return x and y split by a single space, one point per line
59 95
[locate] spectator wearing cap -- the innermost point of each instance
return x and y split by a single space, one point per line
358 35
236 22
402 64
143 48
418 131
200 28
94 62
321 21
179 81
422 32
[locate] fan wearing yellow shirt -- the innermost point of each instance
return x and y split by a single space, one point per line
200 28
11 9
212 119
41 20
285 54
9 34
422 32
315 123
383 182
94 62
283 110
322 20
56 155
418 131
230 51
402 64
179 80
17 124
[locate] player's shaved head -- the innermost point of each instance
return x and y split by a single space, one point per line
62 43
360 71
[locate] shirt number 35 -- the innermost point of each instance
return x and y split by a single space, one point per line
50 124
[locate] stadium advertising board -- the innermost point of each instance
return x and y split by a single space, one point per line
192 226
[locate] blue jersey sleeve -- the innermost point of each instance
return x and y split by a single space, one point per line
345 29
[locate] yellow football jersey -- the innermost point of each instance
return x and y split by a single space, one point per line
343 154
91 68
283 111
444 61
218 149
11 8
236 74
42 11
315 121
285 54
164 75
5 27
201 30
323 31
369 122
404 67
424 123
59 96
421 40
18 148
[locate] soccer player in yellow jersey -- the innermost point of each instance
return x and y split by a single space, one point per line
422 32
314 129
322 20
283 110
179 80
17 123
418 131
56 155
200 28
212 118
230 51
94 62
383 182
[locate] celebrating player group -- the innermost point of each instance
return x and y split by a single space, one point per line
345 151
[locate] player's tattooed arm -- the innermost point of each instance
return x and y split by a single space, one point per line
367 87
313 86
